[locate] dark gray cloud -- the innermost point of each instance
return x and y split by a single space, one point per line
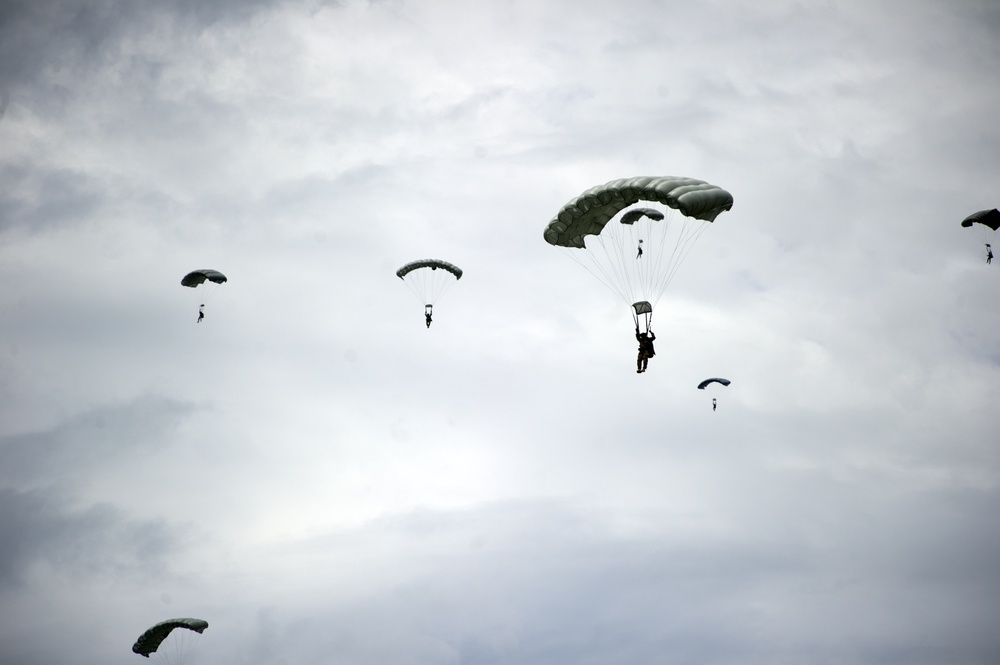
43 532
90 440
38 201
78 36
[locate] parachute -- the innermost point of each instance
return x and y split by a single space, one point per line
989 218
701 386
196 277
708 382
150 640
429 279
637 256
635 214
984 220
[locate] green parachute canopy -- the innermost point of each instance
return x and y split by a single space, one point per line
638 257
196 277
428 279
588 213
433 264
150 640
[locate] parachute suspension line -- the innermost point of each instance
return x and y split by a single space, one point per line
602 258
428 285
590 267
211 291
618 248
612 258
689 233
647 320
175 648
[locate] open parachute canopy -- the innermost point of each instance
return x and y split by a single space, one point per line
196 277
588 213
428 279
150 640
637 255
433 264
635 214
990 218
706 382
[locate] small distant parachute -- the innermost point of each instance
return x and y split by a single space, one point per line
990 218
433 264
429 279
637 255
635 214
985 221
150 640
706 382
196 277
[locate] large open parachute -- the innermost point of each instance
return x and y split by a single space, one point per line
989 218
429 279
637 255
150 640
196 277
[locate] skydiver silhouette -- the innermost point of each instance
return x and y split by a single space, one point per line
645 349
713 404
428 310
639 253
201 312
989 254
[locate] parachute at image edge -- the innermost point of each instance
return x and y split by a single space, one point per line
428 279
197 277
637 256
986 221
151 639
988 218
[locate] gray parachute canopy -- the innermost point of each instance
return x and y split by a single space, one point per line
701 386
589 212
196 277
990 218
634 215
433 264
150 640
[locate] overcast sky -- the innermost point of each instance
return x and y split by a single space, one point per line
325 480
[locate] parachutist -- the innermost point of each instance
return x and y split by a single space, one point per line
989 254
197 277
645 349
639 253
714 405
426 283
